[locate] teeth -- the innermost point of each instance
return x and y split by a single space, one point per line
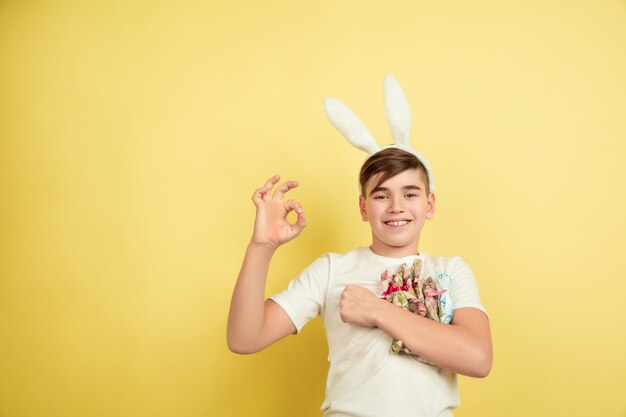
397 223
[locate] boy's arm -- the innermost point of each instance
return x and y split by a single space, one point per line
464 346
253 322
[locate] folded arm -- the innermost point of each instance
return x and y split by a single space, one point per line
464 346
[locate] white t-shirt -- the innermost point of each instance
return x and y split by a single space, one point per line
365 378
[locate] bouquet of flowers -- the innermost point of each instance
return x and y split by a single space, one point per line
425 296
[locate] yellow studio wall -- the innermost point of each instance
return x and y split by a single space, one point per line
132 135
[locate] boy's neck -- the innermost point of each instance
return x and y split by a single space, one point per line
391 252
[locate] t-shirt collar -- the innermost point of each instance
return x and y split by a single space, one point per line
379 258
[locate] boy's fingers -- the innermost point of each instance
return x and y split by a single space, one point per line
291 205
280 191
257 197
300 223
272 181
268 186
263 193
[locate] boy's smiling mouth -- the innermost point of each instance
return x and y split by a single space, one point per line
397 223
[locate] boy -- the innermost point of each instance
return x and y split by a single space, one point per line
365 378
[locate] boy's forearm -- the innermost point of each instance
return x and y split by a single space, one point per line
449 346
246 317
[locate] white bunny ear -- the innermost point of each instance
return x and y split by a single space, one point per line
398 112
350 126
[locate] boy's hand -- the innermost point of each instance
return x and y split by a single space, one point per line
271 227
359 305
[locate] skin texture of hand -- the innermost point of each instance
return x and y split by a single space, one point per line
271 227
358 305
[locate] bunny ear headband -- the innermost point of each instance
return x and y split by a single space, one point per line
398 115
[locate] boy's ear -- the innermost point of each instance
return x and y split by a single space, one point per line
362 208
430 207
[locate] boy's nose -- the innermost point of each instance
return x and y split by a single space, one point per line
396 206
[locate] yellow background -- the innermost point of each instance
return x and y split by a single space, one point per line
132 135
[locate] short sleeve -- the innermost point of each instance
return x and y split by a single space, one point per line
464 290
303 298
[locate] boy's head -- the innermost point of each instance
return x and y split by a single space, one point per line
390 162
397 187
395 201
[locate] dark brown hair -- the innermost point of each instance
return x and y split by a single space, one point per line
391 162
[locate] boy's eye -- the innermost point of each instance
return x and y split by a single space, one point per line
380 197
411 195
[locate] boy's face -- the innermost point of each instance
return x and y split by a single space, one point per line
396 211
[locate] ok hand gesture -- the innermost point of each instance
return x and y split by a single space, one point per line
271 227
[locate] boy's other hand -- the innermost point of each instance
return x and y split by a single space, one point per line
358 305
271 227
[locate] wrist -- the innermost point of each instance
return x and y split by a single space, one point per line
268 248
379 311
